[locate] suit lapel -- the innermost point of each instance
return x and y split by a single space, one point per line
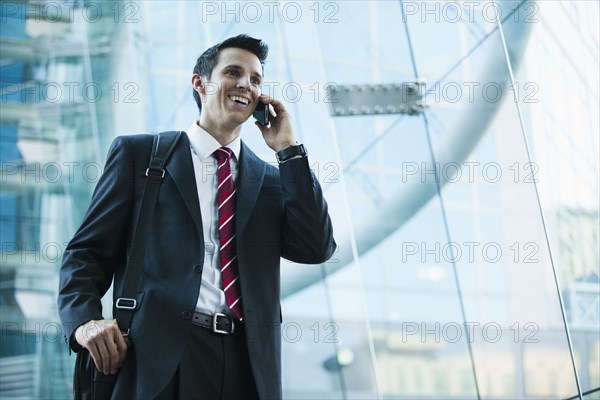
249 183
181 169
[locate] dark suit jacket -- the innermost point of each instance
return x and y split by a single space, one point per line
280 213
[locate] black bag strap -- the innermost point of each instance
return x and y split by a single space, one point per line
126 304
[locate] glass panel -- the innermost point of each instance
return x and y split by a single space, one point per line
560 126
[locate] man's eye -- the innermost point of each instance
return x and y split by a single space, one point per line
232 73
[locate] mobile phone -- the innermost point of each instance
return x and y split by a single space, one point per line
261 113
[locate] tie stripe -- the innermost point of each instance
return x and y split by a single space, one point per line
227 252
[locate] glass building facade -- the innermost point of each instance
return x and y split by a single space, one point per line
468 263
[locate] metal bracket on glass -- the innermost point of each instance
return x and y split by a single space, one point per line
373 99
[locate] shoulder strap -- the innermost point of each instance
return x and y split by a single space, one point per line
126 304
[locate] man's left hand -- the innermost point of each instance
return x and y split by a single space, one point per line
278 134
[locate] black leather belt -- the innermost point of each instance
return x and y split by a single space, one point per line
217 323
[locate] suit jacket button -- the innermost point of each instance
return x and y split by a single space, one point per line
198 268
186 315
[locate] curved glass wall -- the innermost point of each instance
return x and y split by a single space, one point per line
459 221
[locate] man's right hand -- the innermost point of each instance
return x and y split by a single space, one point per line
105 343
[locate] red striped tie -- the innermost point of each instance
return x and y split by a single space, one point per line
226 204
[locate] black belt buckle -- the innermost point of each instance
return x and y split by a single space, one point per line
214 324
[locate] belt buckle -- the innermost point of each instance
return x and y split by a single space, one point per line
214 324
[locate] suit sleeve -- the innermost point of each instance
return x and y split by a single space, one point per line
99 245
307 233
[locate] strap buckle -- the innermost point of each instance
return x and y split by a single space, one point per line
123 303
214 324
159 169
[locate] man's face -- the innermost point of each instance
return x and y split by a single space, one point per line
233 89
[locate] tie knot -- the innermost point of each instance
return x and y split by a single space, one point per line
223 153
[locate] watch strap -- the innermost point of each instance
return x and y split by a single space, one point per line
289 152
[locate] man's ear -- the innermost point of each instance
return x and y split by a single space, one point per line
198 84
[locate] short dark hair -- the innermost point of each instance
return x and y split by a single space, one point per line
207 60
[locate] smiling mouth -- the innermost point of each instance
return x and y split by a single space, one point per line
240 100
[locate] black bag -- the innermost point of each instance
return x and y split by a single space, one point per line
88 382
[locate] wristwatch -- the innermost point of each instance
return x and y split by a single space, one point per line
289 152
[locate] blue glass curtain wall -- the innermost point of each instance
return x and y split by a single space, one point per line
468 263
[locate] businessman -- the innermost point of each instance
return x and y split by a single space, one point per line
208 316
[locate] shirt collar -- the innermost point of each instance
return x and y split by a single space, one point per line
205 145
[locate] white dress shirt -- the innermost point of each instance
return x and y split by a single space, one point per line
211 298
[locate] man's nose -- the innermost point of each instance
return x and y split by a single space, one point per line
243 82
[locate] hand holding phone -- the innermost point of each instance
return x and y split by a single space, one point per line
277 132
261 113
